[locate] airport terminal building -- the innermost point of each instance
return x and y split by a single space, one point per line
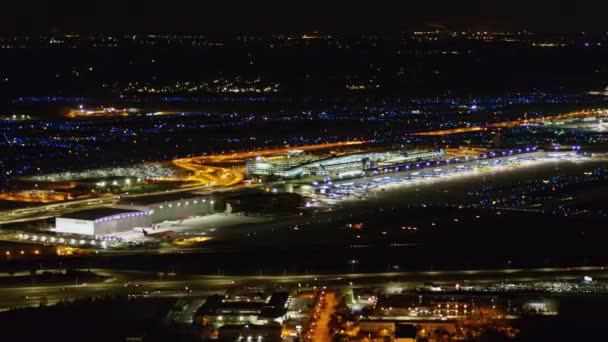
101 221
296 165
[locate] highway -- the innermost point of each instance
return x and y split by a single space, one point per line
147 284
212 170
226 171
52 210
450 131
514 123
580 114
33 196
207 175
204 174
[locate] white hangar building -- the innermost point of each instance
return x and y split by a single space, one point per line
102 221
168 207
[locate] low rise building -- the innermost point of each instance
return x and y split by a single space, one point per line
102 221
405 329
220 310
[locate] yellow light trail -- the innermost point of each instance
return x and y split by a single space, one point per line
204 172
99 113
35 196
450 131
514 123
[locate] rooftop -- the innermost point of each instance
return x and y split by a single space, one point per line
93 214
163 198
217 305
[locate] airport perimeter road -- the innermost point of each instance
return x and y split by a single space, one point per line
161 285
52 210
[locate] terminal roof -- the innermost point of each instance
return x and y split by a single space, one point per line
162 198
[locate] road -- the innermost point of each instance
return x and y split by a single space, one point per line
514 123
35 196
450 131
123 282
52 210
325 308
205 174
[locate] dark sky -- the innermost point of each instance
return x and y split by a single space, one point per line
231 16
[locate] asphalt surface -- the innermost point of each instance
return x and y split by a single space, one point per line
146 284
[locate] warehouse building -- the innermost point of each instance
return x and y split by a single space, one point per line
220 310
102 221
168 207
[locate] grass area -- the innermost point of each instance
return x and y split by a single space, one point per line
89 319
68 277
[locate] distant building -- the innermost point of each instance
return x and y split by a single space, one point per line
296 165
540 307
278 165
250 332
220 310
102 221
174 206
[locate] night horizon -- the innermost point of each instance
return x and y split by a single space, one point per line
217 18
